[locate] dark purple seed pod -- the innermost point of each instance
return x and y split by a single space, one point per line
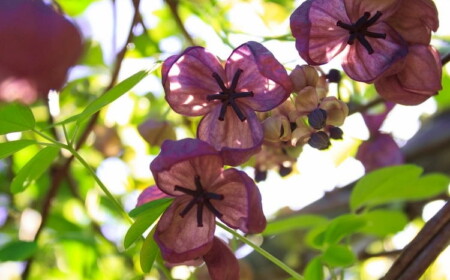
319 140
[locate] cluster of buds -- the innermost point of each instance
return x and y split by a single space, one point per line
310 116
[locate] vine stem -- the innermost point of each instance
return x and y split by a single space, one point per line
100 183
264 253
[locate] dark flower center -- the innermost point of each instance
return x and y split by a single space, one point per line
229 95
201 198
359 30
317 118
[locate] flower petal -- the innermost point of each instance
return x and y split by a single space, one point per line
318 38
262 74
374 121
422 71
180 161
180 238
418 81
381 151
241 206
236 140
150 194
357 8
337 110
364 67
187 81
415 21
221 262
306 100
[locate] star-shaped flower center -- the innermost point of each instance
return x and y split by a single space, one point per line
359 30
201 198
229 95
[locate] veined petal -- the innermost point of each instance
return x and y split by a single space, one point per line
422 71
419 80
415 20
150 194
391 89
357 8
221 262
313 24
188 80
241 206
262 74
364 67
236 140
180 161
179 238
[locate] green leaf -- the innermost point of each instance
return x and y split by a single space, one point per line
17 251
314 269
149 252
294 222
384 222
343 226
155 204
9 148
74 7
338 255
34 169
143 222
394 184
15 117
108 97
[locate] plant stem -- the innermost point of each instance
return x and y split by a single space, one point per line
100 184
264 253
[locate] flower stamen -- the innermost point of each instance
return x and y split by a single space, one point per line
201 198
229 95
359 30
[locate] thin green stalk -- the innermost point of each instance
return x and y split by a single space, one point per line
264 253
100 183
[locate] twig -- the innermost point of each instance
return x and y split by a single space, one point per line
60 173
173 6
445 59
365 107
424 249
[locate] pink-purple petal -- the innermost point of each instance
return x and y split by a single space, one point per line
180 161
422 71
241 206
415 21
180 238
357 8
150 194
364 67
318 38
380 151
221 262
262 74
236 140
187 81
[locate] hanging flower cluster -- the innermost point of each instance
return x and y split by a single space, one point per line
383 42
251 106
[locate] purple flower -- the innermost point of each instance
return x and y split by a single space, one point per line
380 150
196 84
38 46
325 28
419 79
192 171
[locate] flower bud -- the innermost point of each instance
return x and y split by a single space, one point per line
335 133
337 110
155 132
303 76
276 128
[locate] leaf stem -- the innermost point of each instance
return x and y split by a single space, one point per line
264 253
100 183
